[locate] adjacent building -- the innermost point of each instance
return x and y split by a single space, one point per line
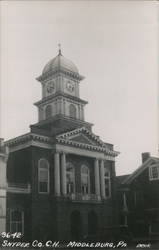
61 176
138 199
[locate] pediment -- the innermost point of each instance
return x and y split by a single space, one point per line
83 136
83 139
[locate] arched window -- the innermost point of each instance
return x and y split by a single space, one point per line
107 182
85 180
43 176
70 178
48 111
16 221
72 111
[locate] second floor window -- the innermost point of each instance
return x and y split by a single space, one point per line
85 180
154 172
70 178
107 182
43 176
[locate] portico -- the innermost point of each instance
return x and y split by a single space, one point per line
99 155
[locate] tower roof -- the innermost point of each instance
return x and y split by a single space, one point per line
60 63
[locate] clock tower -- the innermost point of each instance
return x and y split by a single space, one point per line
61 100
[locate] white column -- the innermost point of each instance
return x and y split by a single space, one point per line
82 110
60 104
56 107
79 114
63 173
40 114
96 172
57 173
64 104
102 179
125 207
62 111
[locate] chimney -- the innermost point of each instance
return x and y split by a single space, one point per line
145 156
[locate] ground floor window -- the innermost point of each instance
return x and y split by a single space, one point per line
16 221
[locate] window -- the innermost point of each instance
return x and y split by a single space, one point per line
72 111
154 172
70 178
48 111
85 180
43 174
16 221
107 182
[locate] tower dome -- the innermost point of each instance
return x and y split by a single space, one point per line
60 63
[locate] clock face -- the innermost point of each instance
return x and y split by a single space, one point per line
70 86
50 87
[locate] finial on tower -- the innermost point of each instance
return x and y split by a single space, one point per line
59 45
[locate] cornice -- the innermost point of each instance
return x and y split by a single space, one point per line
77 76
62 139
61 117
27 137
87 146
60 94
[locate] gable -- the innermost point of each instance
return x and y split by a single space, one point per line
82 135
83 139
140 169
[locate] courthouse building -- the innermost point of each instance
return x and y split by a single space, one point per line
61 176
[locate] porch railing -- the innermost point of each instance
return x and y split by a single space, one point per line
84 197
19 188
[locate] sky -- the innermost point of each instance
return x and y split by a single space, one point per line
114 44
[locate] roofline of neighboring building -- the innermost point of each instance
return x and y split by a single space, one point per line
140 169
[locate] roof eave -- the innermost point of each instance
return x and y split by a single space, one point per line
43 76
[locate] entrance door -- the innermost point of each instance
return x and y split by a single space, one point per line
92 223
75 220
